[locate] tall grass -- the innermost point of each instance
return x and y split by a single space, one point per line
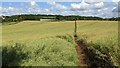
45 43
106 49
43 52
109 45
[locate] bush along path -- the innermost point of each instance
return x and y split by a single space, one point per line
87 57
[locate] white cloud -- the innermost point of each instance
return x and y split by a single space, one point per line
39 11
114 9
60 7
47 10
82 9
92 1
0 10
117 8
10 8
75 6
80 6
57 6
84 6
10 11
32 10
105 12
52 3
81 13
33 2
99 5
64 13
115 0
87 6
33 7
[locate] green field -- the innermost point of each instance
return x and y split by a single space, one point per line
40 39
30 30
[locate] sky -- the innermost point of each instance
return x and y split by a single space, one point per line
99 8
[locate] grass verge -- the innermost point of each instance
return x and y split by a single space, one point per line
44 52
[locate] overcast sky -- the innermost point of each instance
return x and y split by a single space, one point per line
101 8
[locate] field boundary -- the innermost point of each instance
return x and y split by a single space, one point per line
87 57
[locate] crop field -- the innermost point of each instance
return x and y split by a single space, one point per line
45 43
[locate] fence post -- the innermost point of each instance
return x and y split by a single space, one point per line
75 31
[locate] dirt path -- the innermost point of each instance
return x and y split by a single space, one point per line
87 57
83 59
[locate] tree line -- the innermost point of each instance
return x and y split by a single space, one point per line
18 18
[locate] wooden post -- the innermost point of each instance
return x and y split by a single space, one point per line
75 31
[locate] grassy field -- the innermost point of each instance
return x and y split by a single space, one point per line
30 30
40 38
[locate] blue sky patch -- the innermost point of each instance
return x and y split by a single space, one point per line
99 9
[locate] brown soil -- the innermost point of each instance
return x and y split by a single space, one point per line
87 58
83 59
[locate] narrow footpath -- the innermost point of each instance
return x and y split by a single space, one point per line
83 59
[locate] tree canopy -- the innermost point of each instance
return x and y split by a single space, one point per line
18 18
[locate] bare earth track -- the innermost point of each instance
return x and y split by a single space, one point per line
83 60
87 58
